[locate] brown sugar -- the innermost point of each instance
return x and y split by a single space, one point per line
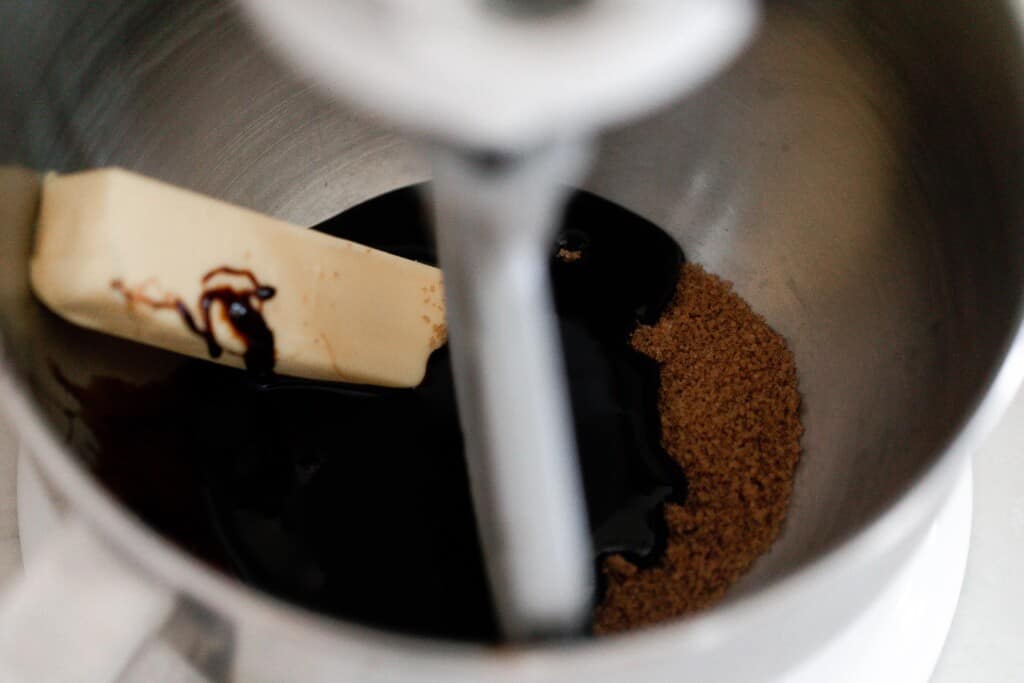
730 416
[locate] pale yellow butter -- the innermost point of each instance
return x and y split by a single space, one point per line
109 243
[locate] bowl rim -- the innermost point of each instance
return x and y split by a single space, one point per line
160 559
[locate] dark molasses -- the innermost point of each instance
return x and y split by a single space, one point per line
242 311
354 500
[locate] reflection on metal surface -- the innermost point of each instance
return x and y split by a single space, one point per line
857 175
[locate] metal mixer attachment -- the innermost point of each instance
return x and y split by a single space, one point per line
529 82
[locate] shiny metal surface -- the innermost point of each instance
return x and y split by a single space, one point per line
857 175
493 225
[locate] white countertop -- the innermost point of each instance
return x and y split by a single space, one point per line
985 641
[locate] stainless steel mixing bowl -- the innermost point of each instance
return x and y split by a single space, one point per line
857 174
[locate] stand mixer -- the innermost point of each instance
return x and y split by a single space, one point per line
510 94
850 174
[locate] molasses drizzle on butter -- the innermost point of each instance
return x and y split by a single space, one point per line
354 500
243 310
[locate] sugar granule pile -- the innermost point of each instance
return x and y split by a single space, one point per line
730 416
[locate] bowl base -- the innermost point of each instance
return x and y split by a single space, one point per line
901 635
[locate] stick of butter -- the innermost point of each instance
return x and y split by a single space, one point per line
147 261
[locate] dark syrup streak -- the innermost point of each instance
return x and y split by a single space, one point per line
243 309
354 500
